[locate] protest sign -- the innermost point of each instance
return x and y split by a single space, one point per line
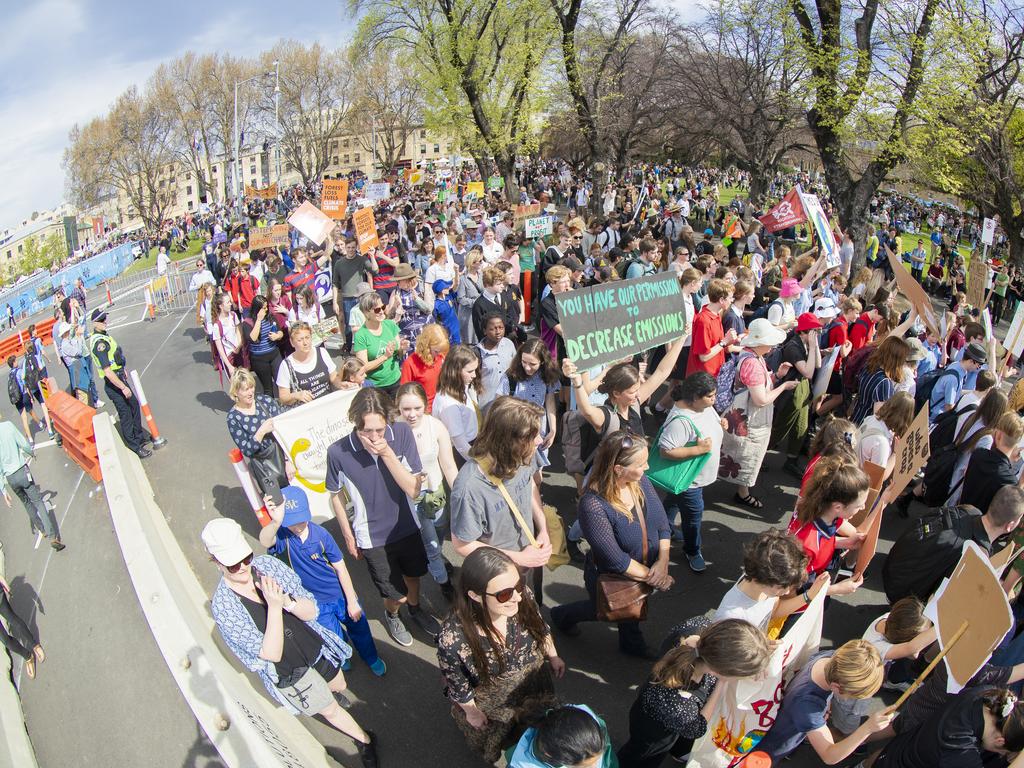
988 231
977 282
911 452
605 323
267 193
220 237
322 286
1014 339
366 230
1001 558
538 227
526 211
474 189
268 237
757 267
827 244
312 222
911 289
305 433
824 374
971 596
334 198
871 527
747 707
787 213
495 182
415 178
323 329
378 191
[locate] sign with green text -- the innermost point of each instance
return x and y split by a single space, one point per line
606 323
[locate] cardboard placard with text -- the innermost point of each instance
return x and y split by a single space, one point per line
912 290
334 198
977 282
366 230
538 227
526 212
609 322
911 452
267 193
268 237
312 222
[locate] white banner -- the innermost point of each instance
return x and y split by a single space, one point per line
306 433
988 231
378 191
747 707
826 241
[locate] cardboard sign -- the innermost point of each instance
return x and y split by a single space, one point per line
988 231
826 240
312 222
539 227
912 290
366 230
378 191
605 323
787 213
474 189
824 374
1014 339
911 451
977 282
334 198
1001 558
268 193
971 595
872 527
526 211
268 237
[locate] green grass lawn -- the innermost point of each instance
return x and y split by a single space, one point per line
727 194
195 246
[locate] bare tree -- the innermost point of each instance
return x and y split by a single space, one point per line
389 105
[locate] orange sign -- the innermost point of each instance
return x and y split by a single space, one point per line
267 194
268 237
366 229
334 198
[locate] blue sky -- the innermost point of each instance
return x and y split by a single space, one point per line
65 61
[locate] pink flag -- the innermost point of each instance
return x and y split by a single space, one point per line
788 213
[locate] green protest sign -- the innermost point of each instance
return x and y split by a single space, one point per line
605 323
495 182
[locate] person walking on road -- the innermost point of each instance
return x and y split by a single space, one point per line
15 452
16 636
109 360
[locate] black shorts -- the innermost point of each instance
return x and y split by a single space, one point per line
835 384
390 563
25 404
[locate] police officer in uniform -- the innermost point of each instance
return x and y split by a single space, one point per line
108 358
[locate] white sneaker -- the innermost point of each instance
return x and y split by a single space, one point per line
99 404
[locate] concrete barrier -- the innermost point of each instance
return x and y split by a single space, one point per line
16 750
244 725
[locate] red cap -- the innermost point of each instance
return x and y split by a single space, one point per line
807 322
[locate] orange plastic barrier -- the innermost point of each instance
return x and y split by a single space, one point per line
73 421
15 343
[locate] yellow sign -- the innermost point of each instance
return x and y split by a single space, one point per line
268 237
474 189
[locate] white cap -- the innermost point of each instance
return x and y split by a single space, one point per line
224 540
825 307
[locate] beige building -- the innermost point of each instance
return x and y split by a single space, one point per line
39 226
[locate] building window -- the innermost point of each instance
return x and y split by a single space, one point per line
188 190
355 157
21 249
252 170
214 170
344 144
334 146
423 134
437 149
423 149
161 185
334 160
190 205
345 160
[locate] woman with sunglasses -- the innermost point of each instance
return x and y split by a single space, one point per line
496 654
624 522
378 345
268 620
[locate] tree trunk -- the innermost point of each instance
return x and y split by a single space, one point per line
507 168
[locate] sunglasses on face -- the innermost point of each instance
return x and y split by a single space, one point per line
379 309
504 595
234 568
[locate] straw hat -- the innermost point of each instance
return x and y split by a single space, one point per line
761 333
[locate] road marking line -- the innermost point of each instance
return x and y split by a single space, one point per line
163 343
46 565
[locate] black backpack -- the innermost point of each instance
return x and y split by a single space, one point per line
938 473
926 384
825 332
774 358
33 374
944 429
13 389
918 560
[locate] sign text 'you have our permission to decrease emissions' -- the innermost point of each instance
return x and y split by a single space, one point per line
605 323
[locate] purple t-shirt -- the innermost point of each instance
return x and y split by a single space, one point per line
382 512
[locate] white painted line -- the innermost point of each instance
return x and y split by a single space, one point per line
163 343
46 565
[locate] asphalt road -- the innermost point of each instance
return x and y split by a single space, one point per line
104 696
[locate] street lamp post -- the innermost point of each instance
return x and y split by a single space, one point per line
277 122
237 162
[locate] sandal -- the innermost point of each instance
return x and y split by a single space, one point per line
749 501
30 667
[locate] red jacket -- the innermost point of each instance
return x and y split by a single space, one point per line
242 289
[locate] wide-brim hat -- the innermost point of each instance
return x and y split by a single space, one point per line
405 272
673 208
224 540
976 352
825 308
790 288
917 350
761 333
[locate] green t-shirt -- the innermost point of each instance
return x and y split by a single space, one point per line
388 373
1001 282
527 257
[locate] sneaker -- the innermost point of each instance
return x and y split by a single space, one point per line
379 668
425 621
144 453
58 545
368 752
343 700
696 563
99 404
394 626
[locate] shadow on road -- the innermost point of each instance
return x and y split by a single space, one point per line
217 400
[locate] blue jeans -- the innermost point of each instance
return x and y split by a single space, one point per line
431 531
347 305
690 506
335 617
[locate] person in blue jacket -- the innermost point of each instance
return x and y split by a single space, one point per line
444 310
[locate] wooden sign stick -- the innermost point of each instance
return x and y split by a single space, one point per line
928 670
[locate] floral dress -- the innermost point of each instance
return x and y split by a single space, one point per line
518 685
749 429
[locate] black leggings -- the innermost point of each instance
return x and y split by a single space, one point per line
17 637
264 368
